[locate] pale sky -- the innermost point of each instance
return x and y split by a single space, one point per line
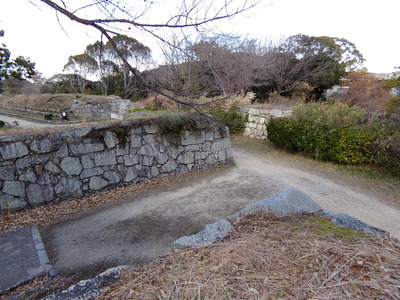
373 26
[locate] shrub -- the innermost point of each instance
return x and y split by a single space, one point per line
177 124
140 109
393 106
48 116
386 151
282 132
232 117
337 133
330 114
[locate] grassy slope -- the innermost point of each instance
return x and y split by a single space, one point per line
299 257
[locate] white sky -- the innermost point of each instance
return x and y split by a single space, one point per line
373 26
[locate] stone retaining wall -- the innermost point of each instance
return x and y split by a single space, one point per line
256 127
112 109
48 168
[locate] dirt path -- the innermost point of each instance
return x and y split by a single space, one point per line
22 123
141 228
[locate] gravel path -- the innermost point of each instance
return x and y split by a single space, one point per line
144 226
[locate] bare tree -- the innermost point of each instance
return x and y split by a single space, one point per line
137 54
104 64
228 64
148 17
82 65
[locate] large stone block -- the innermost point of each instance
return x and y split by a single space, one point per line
73 133
71 166
192 137
247 131
29 175
122 150
149 149
14 150
209 136
211 233
162 158
220 145
131 174
32 161
87 161
130 160
14 188
144 172
47 179
52 168
169 166
112 177
97 183
276 113
68 188
91 172
80 149
287 202
173 152
136 141
147 160
63 151
106 158
7 173
110 139
43 146
10 203
154 171
186 158
38 194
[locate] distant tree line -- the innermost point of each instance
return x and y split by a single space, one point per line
212 66
100 61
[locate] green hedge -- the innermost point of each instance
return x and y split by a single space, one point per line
341 144
340 134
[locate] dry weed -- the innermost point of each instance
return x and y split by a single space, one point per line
271 258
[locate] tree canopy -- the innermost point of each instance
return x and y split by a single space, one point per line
19 68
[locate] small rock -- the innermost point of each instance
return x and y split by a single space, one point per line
52 272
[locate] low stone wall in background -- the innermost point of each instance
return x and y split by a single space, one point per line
256 127
112 109
48 168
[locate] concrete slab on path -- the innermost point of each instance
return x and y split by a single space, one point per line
22 256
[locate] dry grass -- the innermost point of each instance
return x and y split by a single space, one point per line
50 101
273 258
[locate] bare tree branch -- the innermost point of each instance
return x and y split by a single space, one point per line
190 14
